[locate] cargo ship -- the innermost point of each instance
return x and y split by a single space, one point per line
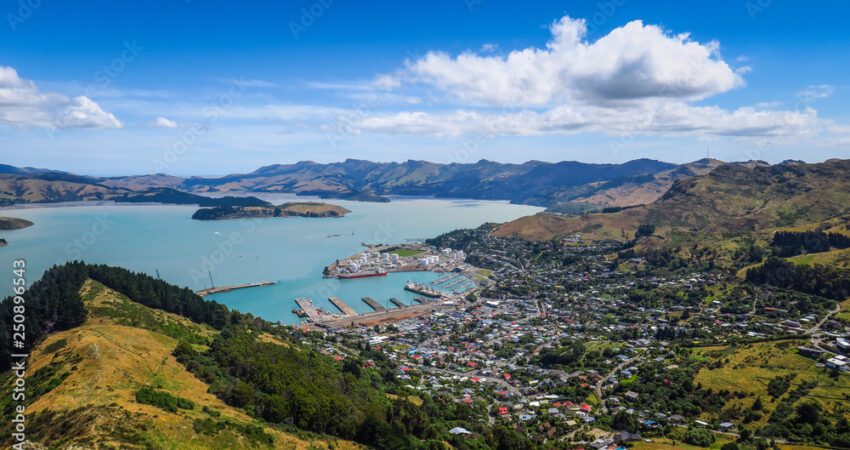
422 289
350 276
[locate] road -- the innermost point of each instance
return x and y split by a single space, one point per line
598 389
817 326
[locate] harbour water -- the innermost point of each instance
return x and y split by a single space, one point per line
290 252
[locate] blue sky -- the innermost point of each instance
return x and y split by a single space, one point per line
213 87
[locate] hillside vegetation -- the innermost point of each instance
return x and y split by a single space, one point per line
731 198
112 358
86 384
300 209
13 223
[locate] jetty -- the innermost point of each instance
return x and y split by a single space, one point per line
375 305
310 311
420 299
397 302
342 306
216 290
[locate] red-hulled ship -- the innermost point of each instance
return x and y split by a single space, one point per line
350 276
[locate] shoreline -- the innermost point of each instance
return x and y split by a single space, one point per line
28 206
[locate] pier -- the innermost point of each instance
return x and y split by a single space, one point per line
216 290
310 311
420 299
397 302
375 305
342 306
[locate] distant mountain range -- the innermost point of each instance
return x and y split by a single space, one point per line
564 186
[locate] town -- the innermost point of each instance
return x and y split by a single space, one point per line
569 343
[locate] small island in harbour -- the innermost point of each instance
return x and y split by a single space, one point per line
13 223
298 209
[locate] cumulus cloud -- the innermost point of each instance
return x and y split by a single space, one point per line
162 122
635 61
22 104
639 79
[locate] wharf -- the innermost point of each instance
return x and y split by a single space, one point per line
375 305
216 290
306 305
397 302
342 306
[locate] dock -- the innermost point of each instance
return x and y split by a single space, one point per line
375 305
397 302
342 306
216 290
420 299
310 311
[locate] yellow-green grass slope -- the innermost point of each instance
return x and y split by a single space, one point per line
90 375
733 198
748 368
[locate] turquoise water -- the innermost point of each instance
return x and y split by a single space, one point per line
290 252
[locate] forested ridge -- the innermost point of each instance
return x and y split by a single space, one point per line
53 303
793 243
825 281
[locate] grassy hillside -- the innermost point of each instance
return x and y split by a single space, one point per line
731 198
38 189
595 226
750 369
85 383
645 190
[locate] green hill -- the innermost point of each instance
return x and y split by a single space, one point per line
731 198
85 384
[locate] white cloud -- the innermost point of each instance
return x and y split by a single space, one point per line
489 48
651 118
22 104
386 82
250 83
632 62
637 80
816 92
162 122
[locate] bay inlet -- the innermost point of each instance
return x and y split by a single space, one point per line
289 252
